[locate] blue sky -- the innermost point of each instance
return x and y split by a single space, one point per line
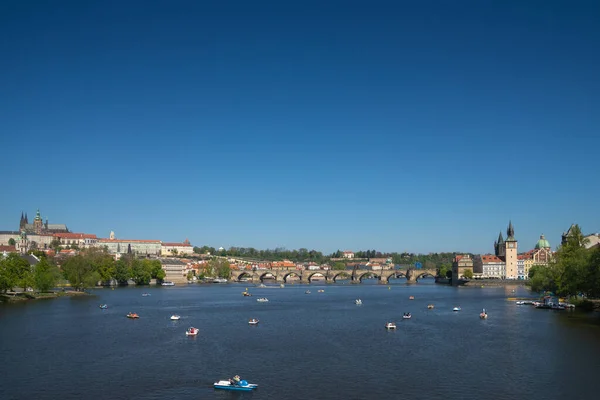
396 126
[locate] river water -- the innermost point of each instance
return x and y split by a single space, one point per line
306 346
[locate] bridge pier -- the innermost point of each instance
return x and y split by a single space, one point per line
411 276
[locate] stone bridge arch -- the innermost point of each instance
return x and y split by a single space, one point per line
287 274
424 274
243 274
395 274
358 277
333 275
308 276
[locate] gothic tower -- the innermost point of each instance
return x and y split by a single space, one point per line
37 223
511 253
22 222
499 246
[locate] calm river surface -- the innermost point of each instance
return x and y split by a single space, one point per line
307 346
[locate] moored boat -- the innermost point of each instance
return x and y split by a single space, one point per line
430 306
457 308
219 280
132 315
192 331
168 283
390 325
253 321
175 317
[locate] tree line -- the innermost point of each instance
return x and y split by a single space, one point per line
83 270
573 271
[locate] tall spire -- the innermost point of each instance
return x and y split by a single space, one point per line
510 232
500 238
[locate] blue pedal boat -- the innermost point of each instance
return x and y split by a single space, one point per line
241 386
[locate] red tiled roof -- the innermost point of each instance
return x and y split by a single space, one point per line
74 235
177 244
490 259
9 249
127 241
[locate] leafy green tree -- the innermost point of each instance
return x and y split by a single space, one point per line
338 266
141 271
157 271
593 274
443 269
80 272
190 275
18 271
122 272
8 271
468 273
11 242
219 267
45 276
569 273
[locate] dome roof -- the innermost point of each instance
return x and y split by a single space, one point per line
542 243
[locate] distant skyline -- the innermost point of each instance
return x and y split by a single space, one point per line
395 126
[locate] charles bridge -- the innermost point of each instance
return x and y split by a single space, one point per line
355 276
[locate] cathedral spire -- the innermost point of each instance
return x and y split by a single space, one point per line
500 238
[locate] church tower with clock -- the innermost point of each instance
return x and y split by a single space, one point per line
506 250
511 253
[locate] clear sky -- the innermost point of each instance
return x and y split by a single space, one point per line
419 126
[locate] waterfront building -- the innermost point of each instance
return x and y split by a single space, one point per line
503 263
171 249
460 264
489 266
521 272
175 270
528 265
504 260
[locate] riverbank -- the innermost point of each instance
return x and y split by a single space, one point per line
12 297
494 283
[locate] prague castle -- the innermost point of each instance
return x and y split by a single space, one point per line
39 227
